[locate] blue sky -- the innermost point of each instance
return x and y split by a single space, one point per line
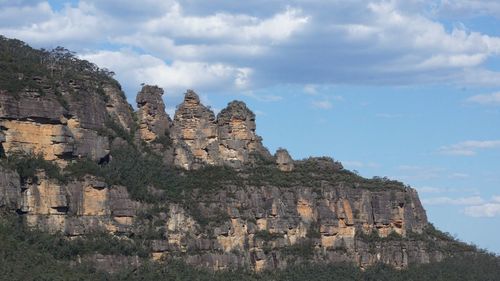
408 89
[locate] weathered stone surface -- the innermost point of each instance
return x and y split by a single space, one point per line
118 107
76 208
32 105
194 134
53 141
283 160
330 219
10 189
201 139
234 226
237 137
153 120
249 226
36 123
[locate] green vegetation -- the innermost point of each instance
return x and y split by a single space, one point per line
303 249
313 231
478 267
33 255
60 247
27 166
164 140
374 237
27 254
314 173
443 241
266 235
139 172
55 71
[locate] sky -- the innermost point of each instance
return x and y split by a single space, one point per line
408 89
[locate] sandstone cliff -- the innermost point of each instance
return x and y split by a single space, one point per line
200 138
256 226
103 167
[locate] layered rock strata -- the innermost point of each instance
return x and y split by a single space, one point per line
154 122
194 133
202 139
237 137
61 127
257 227
73 209
284 161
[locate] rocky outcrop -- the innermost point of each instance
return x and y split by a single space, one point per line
257 227
259 217
201 139
284 161
10 186
237 137
194 134
118 108
61 128
253 225
263 223
153 121
74 208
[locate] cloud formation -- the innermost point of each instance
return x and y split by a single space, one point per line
246 46
487 210
475 206
487 99
469 148
474 200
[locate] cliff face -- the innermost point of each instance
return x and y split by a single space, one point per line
202 139
259 227
153 120
39 124
263 212
194 134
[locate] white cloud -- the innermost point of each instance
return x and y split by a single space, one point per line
15 15
310 89
263 98
474 200
133 68
226 26
322 104
412 172
469 148
470 8
311 43
433 189
68 27
487 210
487 99
429 189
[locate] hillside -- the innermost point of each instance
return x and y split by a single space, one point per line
89 187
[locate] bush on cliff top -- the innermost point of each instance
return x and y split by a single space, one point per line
22 67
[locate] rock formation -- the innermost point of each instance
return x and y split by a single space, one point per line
237 137
194 134
253 226
201 139
153 120
74 209
260 215
34 124
284 161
